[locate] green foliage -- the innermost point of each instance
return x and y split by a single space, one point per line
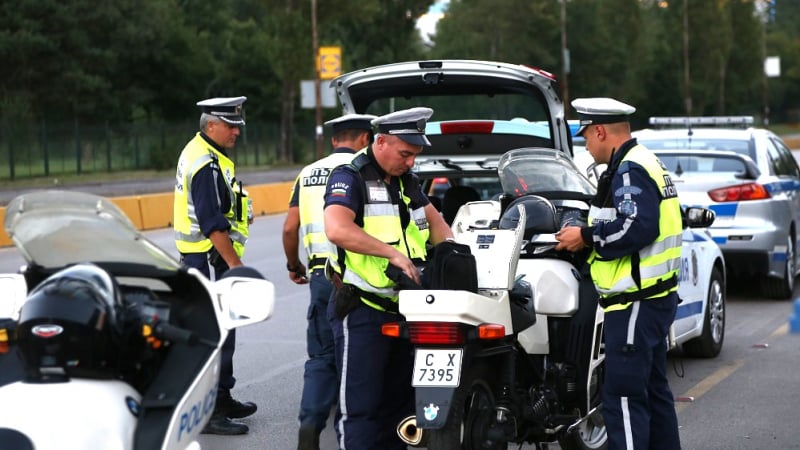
147 62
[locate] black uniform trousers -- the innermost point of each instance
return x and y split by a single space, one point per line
638 406
200 262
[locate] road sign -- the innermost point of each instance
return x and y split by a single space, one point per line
330 62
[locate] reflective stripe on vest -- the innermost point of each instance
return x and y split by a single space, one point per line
311 183
657 261
188 238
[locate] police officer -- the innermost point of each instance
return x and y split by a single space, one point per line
634 236
211 219
376 214
351 132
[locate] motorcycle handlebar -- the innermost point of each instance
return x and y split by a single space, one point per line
169 332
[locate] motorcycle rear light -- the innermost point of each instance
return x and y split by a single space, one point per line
477 126
741 192
392 329
440 333
490 331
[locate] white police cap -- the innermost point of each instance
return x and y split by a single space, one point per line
600 110
352 122
227 109
408 125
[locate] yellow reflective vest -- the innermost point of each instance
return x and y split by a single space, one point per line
188 238
310 184
382 221
659 262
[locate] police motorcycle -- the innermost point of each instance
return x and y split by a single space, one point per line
511 352
107 341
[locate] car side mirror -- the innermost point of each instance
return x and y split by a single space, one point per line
697 217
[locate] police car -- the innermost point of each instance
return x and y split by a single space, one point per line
750 179
483 109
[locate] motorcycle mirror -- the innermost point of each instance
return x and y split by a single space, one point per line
244 301
697 217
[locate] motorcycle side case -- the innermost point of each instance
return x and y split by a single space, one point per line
103 413
456 306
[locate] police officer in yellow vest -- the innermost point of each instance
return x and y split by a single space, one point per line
634 235
211 219
351 133
377 215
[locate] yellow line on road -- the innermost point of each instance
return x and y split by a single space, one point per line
705 385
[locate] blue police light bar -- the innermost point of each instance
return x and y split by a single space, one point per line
712 120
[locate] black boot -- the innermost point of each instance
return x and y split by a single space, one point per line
308 438
231 408
219 424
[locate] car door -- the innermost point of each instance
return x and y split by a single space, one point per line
788 172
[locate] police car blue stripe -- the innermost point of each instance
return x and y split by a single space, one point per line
725 209
782 186
689 308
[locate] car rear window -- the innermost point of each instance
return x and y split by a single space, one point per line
698 163
743 147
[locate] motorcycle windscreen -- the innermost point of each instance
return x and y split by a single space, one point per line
55 228
538 170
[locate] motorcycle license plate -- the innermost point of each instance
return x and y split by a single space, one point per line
437 367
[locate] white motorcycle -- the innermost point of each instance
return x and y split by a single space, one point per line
519 358
106 341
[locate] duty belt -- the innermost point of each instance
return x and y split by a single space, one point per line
317 262
387 305
641 294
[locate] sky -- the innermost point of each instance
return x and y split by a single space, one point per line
427 23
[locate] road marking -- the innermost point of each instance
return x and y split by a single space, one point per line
709 382
780 331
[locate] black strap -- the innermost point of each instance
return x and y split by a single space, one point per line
641 294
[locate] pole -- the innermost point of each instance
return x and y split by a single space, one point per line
317 90
687 89
564 55
765 86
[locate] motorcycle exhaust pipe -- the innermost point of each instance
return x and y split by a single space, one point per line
409 433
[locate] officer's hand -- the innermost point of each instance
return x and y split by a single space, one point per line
402 262
299 276
570 239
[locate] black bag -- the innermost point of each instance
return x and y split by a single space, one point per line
451 266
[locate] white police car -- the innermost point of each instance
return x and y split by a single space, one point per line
750 179
483 109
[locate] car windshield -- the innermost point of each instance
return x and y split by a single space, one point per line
529 170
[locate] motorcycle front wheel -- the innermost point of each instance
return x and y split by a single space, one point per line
471 414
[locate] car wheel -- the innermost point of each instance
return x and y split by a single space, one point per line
709 344
782 288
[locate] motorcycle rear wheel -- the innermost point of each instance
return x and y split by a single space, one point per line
471 413
589 435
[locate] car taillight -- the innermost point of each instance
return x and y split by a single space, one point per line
465 127
741 192
441 333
